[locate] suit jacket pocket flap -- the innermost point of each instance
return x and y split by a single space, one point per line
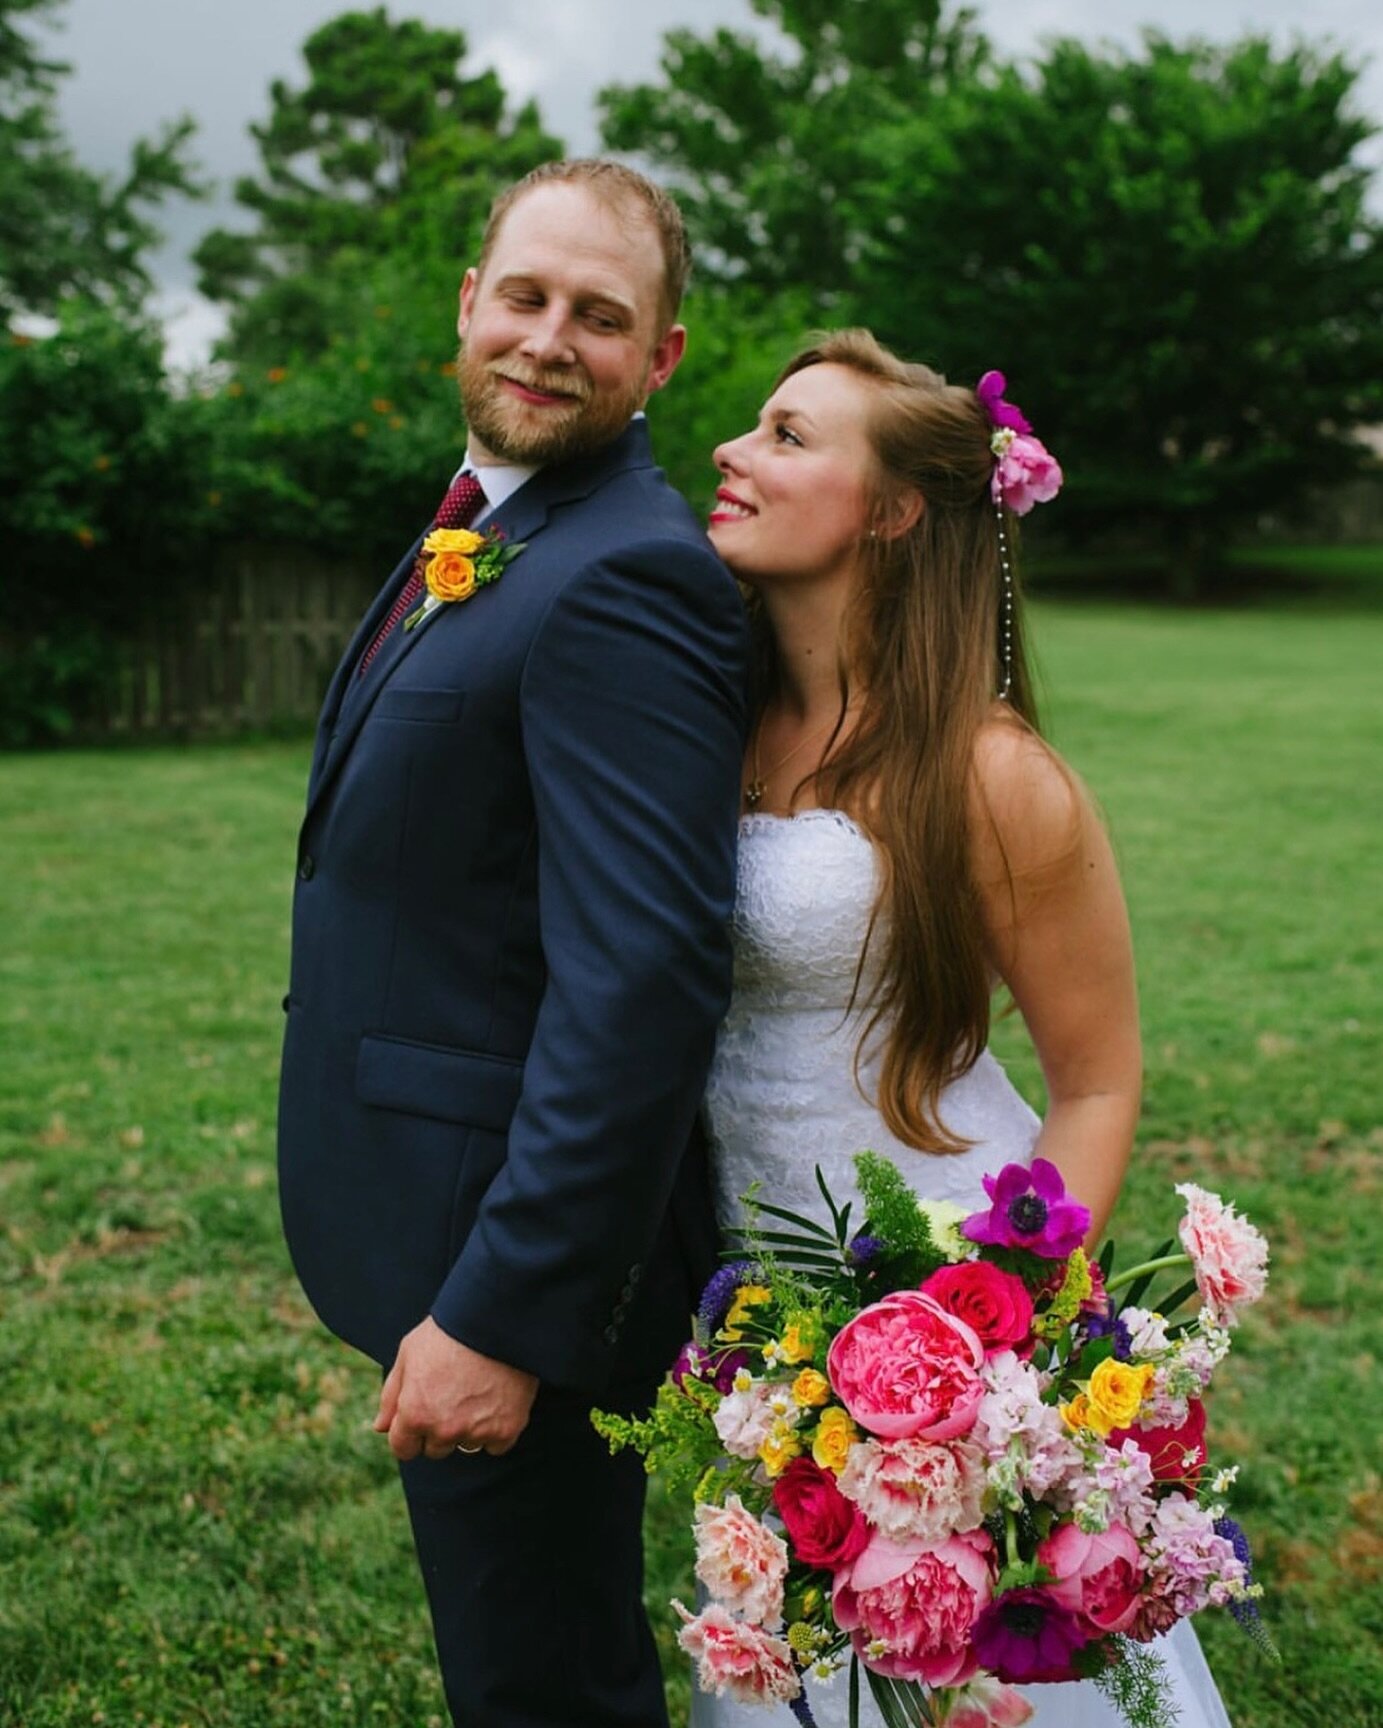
464 1086
405 702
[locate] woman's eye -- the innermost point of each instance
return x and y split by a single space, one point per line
785 435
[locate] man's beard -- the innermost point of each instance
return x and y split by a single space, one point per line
533 437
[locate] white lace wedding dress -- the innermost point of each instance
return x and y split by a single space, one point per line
782 1100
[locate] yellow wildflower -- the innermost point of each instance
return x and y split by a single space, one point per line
780 1448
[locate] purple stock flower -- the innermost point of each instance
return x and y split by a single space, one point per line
1243 1608
863 1249
1030 1210
1107 1325
1025 1635
720 1293
990 391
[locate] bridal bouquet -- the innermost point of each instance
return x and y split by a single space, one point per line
951 1453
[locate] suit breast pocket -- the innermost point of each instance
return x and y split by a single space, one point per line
410 702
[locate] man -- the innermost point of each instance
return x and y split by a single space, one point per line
510 954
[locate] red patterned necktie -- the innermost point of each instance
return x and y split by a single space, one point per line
464 501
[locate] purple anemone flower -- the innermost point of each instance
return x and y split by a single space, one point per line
990 391
718 1367
1030 1210
1024 1635
720 1293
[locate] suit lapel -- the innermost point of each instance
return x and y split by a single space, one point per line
519 518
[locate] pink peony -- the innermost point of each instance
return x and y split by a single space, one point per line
1025 474
1096 1575
740 1561
736 1660
917 1490
920 1601
1229 1256
904 1368
823 1527
1175 1451
993 1304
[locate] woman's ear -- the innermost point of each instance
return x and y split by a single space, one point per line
900 515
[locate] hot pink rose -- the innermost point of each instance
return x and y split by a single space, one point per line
920 1600
740 1561
995 1305
1168 1448
1096 1574
1026 474
905 1368
823 1527
737 1660
1229 1257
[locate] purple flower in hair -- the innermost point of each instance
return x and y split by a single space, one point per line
990 391
1030 1210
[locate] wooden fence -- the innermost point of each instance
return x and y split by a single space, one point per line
250 644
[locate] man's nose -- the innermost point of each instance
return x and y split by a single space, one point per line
548 338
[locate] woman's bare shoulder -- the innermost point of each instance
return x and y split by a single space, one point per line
1029 811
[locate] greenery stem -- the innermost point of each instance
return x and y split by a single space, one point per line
1147 1266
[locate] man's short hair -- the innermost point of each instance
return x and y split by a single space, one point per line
622 189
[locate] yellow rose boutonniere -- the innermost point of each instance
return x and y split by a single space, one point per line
458 561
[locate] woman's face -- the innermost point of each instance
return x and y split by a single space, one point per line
794 498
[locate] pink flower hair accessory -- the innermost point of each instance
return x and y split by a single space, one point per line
1025 471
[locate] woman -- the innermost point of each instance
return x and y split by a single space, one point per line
909 843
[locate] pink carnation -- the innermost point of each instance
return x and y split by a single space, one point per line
917 1490
904 1369
737 1660
744 1420
740 1561
1229 1256
919 1601
1097 1575
1026 474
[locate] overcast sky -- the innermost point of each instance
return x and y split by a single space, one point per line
138 62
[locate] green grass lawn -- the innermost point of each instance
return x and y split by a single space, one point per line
197 1527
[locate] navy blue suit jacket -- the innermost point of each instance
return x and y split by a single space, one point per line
511 942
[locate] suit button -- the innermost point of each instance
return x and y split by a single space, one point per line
635 1273
626 1295
611 1335
307 868
285 1004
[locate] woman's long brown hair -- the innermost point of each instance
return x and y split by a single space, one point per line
924 649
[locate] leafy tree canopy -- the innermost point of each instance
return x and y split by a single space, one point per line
389 147
63 229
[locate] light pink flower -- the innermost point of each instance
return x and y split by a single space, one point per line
744 1420
736 1660
1014 1425
1025 474
1189 1564
740 1561
1229 1256
904 1369
1096 1575
985 1703
922 1490
919 1601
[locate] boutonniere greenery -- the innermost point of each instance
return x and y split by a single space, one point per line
458 562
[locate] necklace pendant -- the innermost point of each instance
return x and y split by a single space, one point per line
753 794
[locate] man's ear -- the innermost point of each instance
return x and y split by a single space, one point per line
667 357
467 302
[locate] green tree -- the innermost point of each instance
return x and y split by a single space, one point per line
1169 251
63 229
389 148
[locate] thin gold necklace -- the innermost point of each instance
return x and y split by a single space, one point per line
758 785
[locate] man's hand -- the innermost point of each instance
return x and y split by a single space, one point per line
441 1394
